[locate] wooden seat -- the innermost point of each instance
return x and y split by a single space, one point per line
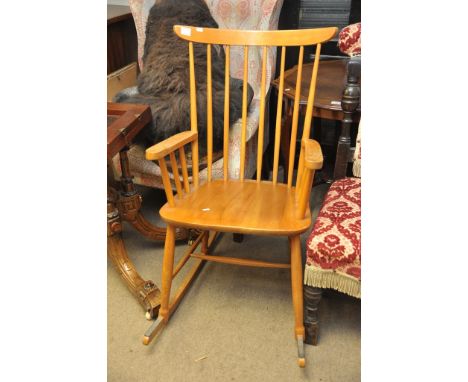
263 207
245 207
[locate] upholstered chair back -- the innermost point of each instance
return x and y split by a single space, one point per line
230 14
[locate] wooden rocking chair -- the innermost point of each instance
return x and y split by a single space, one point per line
239 205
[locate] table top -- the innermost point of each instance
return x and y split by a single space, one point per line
124 122
331 80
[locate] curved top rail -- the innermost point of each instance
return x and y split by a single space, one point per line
248 37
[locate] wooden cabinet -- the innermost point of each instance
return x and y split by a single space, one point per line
121 37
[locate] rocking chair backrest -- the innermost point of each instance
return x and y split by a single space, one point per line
246 38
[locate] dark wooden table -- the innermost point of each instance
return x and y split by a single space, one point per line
331 80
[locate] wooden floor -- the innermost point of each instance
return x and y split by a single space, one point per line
234 206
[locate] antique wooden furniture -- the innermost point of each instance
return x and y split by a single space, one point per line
121 37
121 79
239 204
228 16
334 245
327 102
124 121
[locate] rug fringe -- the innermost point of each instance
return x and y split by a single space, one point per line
357 168
324 278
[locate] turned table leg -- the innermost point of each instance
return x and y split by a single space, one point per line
312 297
129 204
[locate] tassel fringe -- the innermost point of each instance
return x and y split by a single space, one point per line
357 168
320 278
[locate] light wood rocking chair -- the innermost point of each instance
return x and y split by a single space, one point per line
239 205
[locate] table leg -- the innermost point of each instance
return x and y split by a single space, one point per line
286 138
349 104
146 291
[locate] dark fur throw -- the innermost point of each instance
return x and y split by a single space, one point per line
164 82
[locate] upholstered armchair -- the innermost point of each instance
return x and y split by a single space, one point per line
333 257
230 14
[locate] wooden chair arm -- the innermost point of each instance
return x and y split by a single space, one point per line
169 145
313 158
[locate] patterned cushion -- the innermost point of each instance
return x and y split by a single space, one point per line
349 40
334 245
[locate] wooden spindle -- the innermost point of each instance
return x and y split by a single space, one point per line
244 112
308 116
193 116
175 172
295 118
226 113
166 182
261 124
304 190
278 118
183 164
209 108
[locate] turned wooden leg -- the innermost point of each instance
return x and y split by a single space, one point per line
167 271
312 297
296 284
129 204
167 275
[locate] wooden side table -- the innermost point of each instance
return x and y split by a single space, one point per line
124 122
331 81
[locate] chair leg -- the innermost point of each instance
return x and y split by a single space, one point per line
296 284
167 270
312 297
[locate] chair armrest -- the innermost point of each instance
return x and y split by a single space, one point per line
169 145
313 158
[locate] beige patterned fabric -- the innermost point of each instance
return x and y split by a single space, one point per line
140 10
229 14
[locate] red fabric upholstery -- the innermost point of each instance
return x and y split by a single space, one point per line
334 245
349 40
